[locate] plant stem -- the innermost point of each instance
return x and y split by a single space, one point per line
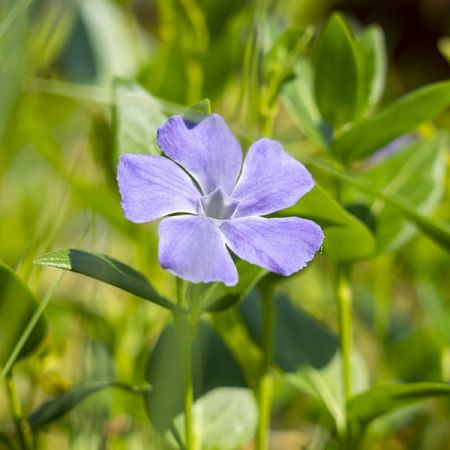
265 382
22 427
188 394
344 298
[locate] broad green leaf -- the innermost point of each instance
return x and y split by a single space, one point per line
298 98
337 70
300 340
379 400
108 270
400 117
224 419
435 229
213 367
136 117
53 409
372 47
220 297
346 237
415 174
17 306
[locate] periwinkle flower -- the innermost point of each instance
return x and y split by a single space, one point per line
218 206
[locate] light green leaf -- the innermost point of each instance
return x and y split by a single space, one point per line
55 408
415 174
108 270
402 116
372 48
337 84
17 306
346 237
299 100
379 400
136 117
225 419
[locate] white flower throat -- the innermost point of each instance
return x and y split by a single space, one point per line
218 205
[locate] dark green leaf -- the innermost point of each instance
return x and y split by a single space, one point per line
225 419
108 270
136 117
299 339
337 84
346 237
55 408
402 116
415 174
372 48
214 366
369 405
17 306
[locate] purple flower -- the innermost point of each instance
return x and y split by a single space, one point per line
218 206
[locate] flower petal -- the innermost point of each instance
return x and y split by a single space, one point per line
283 245
271 180
152 186
207 150
192 248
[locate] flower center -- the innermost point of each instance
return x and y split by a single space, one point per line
218 205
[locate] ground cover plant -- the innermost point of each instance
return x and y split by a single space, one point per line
223 225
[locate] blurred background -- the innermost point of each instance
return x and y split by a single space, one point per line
58 60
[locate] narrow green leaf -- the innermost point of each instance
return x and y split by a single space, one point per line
337 83
108 270
416 174
340 227
402 116
298 98
372 48
55 408
224 419
220 297
17 306
136 117
379 400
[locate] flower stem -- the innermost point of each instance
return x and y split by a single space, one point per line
265 381
188 394
344 298
22 427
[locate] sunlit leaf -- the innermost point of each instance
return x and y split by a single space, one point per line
404 115
17 306
108 270
337 69
225 419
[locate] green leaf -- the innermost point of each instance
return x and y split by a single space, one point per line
372 48
17 306
55 408
402 116
298 98
213 367
346 237
415 174
108 270
379 400
220 297
300 340
224 419
136 117
337 83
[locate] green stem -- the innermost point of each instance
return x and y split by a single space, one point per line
344 298
265 382
22 427
188 393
